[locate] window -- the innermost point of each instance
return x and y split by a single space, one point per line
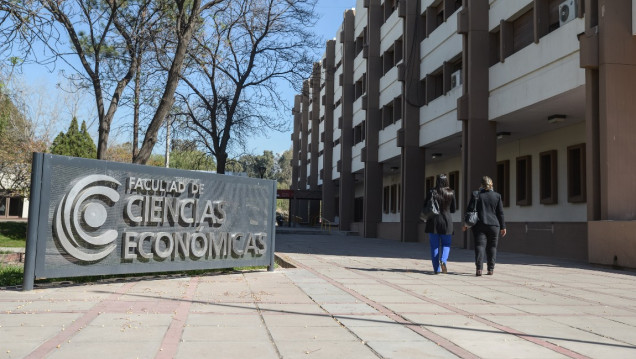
429 183
387 115
553 17
358 209
439 14
359 88
434 85
397 109
524 181
523 31
495 42
548 184
397 51
389 7
576 174
11 207
453 183
421 95
502 181
391 199
388 60
386 199
359 44
394 198
421 28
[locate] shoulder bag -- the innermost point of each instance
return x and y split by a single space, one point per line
471 217
431 207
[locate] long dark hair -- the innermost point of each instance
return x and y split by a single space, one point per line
443 193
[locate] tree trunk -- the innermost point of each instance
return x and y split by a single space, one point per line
137 99
221 161
167 99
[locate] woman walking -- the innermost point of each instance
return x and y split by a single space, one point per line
440 227
491 224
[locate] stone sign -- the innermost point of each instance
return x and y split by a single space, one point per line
90 217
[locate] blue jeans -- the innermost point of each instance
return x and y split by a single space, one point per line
438 256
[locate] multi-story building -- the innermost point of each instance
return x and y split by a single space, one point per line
538 94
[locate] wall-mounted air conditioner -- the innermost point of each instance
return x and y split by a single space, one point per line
456 79
567 12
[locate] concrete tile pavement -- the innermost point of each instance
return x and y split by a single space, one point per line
348 297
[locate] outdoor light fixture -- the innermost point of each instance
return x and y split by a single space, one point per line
556 118
502 134
436 155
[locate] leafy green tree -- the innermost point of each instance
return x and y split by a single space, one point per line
75 142
17 143
284 171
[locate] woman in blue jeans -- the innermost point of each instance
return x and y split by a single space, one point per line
440 227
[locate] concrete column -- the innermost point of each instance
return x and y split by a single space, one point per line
296 112
347 194
372 169
413 160
328 186
617 106
314 205
304 140
479 140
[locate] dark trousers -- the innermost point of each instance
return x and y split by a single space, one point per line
486 238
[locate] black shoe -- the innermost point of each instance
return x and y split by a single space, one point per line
478 273
491 272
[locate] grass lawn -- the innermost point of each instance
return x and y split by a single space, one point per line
13 234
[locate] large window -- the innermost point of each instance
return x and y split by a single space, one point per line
576 174
502 181
524 181
11 207
453 183
548 183
523 31
429 183
358 209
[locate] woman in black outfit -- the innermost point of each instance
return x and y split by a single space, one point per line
440 227
491 224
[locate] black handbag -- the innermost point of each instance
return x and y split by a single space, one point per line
431 208
471 217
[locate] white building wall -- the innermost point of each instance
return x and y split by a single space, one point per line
388 142
556 140
537 72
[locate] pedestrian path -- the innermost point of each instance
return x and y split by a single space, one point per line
347 297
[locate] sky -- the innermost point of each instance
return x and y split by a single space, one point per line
330 14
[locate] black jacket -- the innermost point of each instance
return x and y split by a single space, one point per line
489 208
443 222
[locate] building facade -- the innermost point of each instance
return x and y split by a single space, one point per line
537 94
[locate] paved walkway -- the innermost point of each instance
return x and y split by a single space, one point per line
348 297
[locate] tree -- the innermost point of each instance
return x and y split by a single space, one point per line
75 142
120 152
284 173
17 143
103 30
233 75
185 155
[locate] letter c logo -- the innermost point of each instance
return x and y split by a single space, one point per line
78 203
